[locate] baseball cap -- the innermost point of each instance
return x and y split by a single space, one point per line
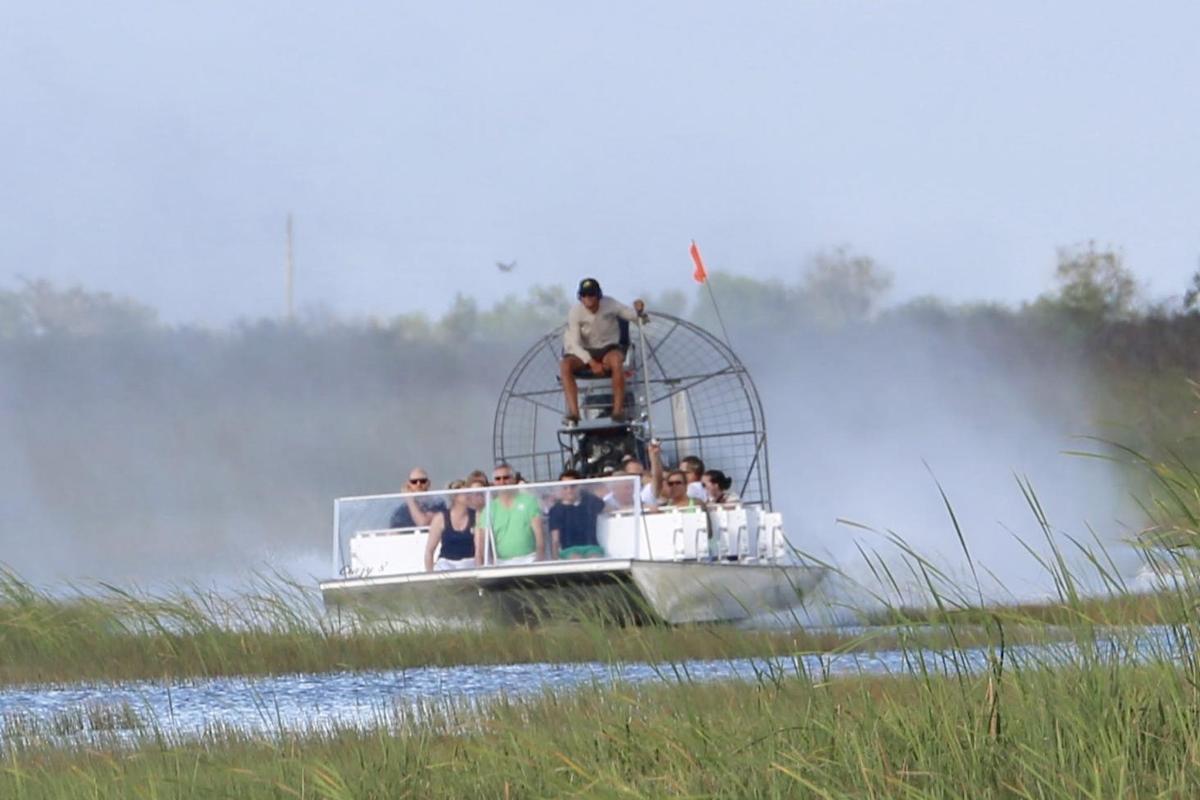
589 287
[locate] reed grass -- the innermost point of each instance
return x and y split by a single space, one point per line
1099 728
109 633
1105 715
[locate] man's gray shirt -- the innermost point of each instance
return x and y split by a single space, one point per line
587 331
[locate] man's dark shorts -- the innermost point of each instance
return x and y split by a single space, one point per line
601 352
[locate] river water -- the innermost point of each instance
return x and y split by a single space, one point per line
266 706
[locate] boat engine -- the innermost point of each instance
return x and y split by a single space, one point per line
601 450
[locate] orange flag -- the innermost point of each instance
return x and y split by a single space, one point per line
701 274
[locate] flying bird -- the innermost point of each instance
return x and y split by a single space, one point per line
509 267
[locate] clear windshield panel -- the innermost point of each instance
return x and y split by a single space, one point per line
486 526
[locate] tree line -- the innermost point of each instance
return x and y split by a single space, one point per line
1092 286
124 434
1095 315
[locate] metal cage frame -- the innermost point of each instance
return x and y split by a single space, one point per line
695 381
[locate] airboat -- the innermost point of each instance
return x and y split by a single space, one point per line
685 389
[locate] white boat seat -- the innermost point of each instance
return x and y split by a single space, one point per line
389 551
674 535
735 532
772 543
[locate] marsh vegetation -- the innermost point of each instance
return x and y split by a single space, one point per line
1107 714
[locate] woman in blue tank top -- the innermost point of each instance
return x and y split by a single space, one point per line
454 530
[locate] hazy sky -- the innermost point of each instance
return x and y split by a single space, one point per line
155 148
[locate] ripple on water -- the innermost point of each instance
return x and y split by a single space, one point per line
298 703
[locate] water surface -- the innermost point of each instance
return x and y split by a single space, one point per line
297 703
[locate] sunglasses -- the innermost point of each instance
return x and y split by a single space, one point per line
675 483
419 480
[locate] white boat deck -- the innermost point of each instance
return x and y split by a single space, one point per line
685 564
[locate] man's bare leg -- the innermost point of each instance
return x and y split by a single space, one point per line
614 362
567 369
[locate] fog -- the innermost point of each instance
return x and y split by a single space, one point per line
185 456
194 457
869 429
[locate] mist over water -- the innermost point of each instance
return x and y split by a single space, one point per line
179 456
864 425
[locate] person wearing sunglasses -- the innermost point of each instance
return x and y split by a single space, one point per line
675 492
417 512
514 520
592 341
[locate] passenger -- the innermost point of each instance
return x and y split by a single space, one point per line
477 500
676 494
454 530
593 340
716 485
573 521
416 512
621 496
515 521
693 467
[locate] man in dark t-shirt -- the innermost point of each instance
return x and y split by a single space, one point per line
416 512
573 521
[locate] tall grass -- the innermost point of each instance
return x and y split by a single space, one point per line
1108 714
1084 732
278 626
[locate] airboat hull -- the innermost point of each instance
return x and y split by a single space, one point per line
615 589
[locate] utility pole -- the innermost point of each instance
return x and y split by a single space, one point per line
291 272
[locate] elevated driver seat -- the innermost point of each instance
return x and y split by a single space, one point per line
595 394
626 351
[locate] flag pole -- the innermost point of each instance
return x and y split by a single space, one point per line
716 308
701 275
